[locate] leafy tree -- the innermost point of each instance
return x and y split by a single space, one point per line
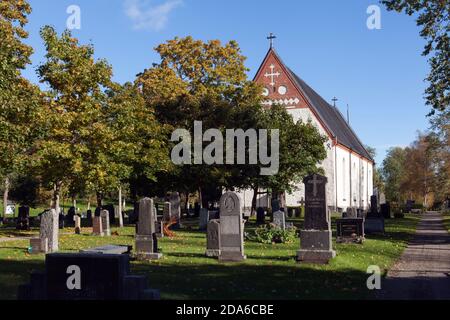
393 172
433 17
18 98
77 147
198 81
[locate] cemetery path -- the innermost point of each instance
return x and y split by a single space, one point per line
423 271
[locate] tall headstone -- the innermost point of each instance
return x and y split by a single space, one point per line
213 239
77 221
49 230
204 214
260 216
315 237
97 226
167 212
374 222
231 228
175 205
279 219
105 215
146 240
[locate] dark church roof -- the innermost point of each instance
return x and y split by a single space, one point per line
332 118
328 114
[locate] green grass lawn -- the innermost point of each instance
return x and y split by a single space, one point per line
269 272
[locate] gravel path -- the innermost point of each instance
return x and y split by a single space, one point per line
423 271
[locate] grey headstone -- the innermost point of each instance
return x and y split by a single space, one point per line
167 211
77 220
175 203
213 239
49 229
279 219
97 229
146 240
104 215
231 228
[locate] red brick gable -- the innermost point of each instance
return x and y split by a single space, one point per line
272 69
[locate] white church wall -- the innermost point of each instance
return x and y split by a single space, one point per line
343 178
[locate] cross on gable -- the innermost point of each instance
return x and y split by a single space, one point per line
272 75
314 182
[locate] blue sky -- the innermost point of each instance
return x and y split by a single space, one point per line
379 73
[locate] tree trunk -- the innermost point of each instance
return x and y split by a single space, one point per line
5 197
99 200
120 208
255 196
56 196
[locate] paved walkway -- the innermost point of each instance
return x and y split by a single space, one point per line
423 271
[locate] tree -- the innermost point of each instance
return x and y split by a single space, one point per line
441 131
18 98
301 149
377 173
77 143
433 17
393 173
198 81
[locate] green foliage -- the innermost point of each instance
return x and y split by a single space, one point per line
270 233
433 16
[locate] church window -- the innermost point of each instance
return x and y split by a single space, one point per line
265 92
343 178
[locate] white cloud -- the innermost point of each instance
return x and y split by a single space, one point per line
149 16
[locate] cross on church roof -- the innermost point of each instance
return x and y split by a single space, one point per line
334 101
270 38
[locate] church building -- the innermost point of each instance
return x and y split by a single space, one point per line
348 166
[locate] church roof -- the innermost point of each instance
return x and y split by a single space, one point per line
330 116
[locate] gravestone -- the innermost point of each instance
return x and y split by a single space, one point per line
97 227
146 240
77 221
105 215
133 217
49 230
167 212
86 276
279 219
89 217
69 217
231 228
61 221
196 209
275 205
385 209
97 211
213 239
203 221
159 229
374 222
350 230
260 216
175 206
315 237
110 249
111 212
23 219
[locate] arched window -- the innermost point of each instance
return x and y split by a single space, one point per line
344 178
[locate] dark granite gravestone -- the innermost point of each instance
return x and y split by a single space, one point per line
97 211
197 209
133 217
175 206
204 218
409 205
231 228
23 220
350 230
86 276
374 222
315 237
69 217
260 216
385 209
275 205
167 212
146 239
213 239
112 213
